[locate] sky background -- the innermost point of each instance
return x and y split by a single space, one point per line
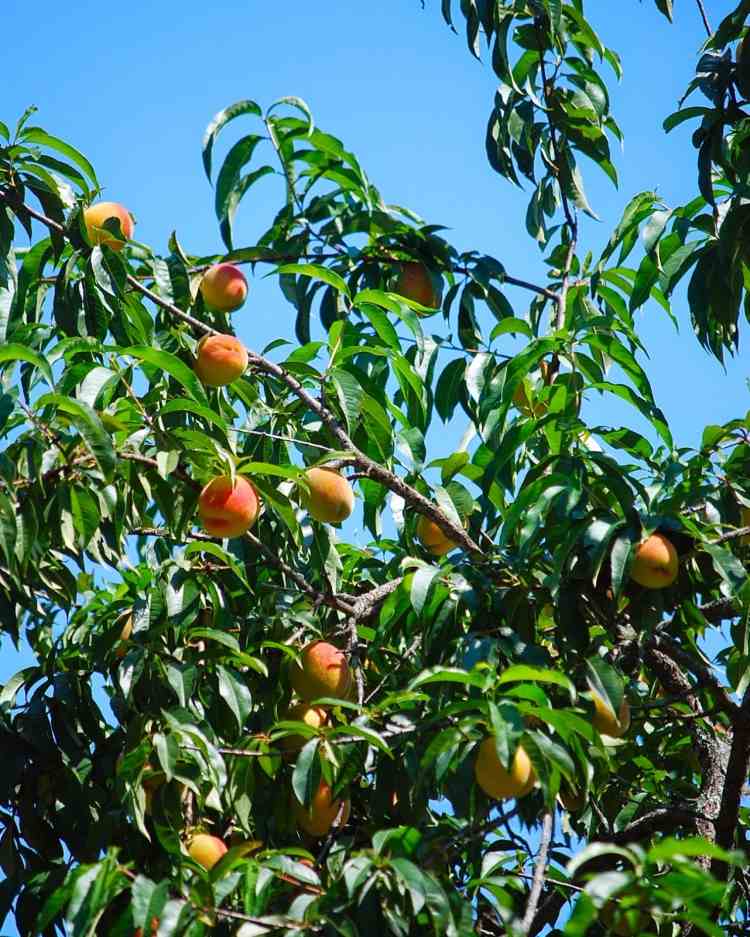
134 85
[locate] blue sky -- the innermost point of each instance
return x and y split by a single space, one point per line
134 85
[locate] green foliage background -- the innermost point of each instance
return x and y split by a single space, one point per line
108 436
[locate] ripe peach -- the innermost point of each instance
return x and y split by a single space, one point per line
318 819
127 629
330 498
656 563
313 716
224 287
228 510
606 722
432 537
220 359
322 670
94 217
498 782
206 850
414 282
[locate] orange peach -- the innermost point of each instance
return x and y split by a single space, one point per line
321 670
319 817
224 287
330 498
432 537
127 629
313 716
220 359
495 780
226 509
414 282
604 719
206 850
656 563
96 215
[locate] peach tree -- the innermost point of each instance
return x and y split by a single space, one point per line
519 703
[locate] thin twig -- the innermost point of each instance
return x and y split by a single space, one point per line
540 870
704 17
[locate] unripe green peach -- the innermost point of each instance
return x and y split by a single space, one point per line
224 287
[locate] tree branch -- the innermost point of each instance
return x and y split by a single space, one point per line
540 869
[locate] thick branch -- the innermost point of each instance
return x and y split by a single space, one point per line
737 769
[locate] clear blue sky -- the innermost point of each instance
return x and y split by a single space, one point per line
134 85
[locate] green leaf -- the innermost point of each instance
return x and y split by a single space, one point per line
306 775
16 352
420 586
90 427
235 694
219 122
525 673
165 361
317 272
440 674
37 135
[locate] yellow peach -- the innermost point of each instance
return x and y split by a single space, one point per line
226 509
224 287
313 716
321 670
432 537
319 817
656 563
414 282
604 719
495 780
96 215
206 850
330 498
220 359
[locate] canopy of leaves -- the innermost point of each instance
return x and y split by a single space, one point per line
159 702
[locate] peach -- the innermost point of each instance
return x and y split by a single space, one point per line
321 670
206 850
127 629
656 563
432 537
313 716
414 282
224 287
94 218
604 719
330 498
318 819
220 359
495 780
226 509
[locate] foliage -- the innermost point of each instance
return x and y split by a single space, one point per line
116 750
